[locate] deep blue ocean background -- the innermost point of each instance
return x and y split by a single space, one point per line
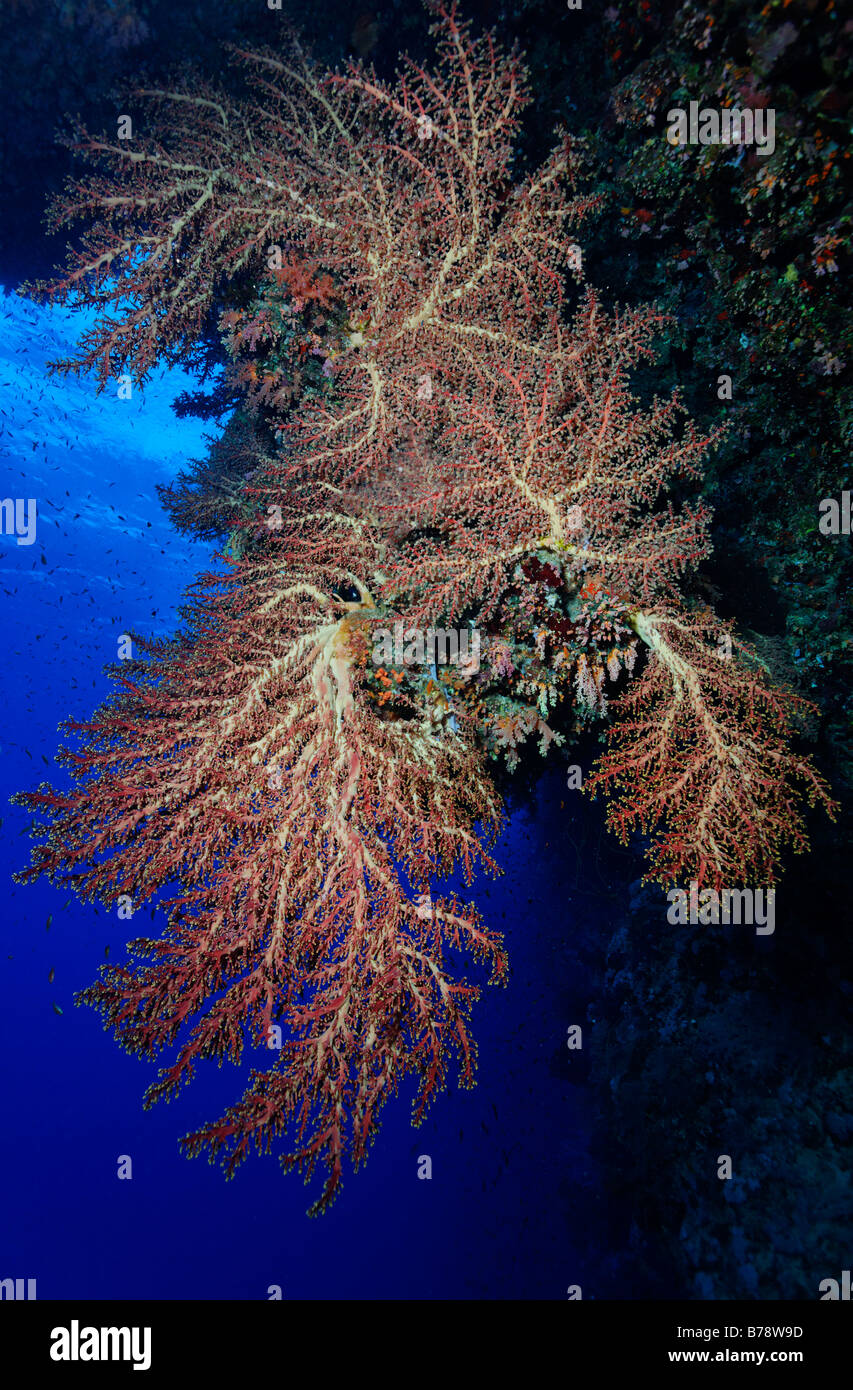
516 1207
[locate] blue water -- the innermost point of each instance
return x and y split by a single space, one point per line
516 1207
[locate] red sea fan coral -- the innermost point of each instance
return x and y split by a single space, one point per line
700 755
304 831
478 457
561 458
403 194
700 749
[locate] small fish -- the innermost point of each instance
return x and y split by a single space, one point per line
56 1009
50 974
106 950
48 922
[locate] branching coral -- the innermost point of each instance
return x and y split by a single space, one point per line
304 831
477 457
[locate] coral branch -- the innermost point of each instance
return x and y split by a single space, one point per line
302 829
700 756
469 452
